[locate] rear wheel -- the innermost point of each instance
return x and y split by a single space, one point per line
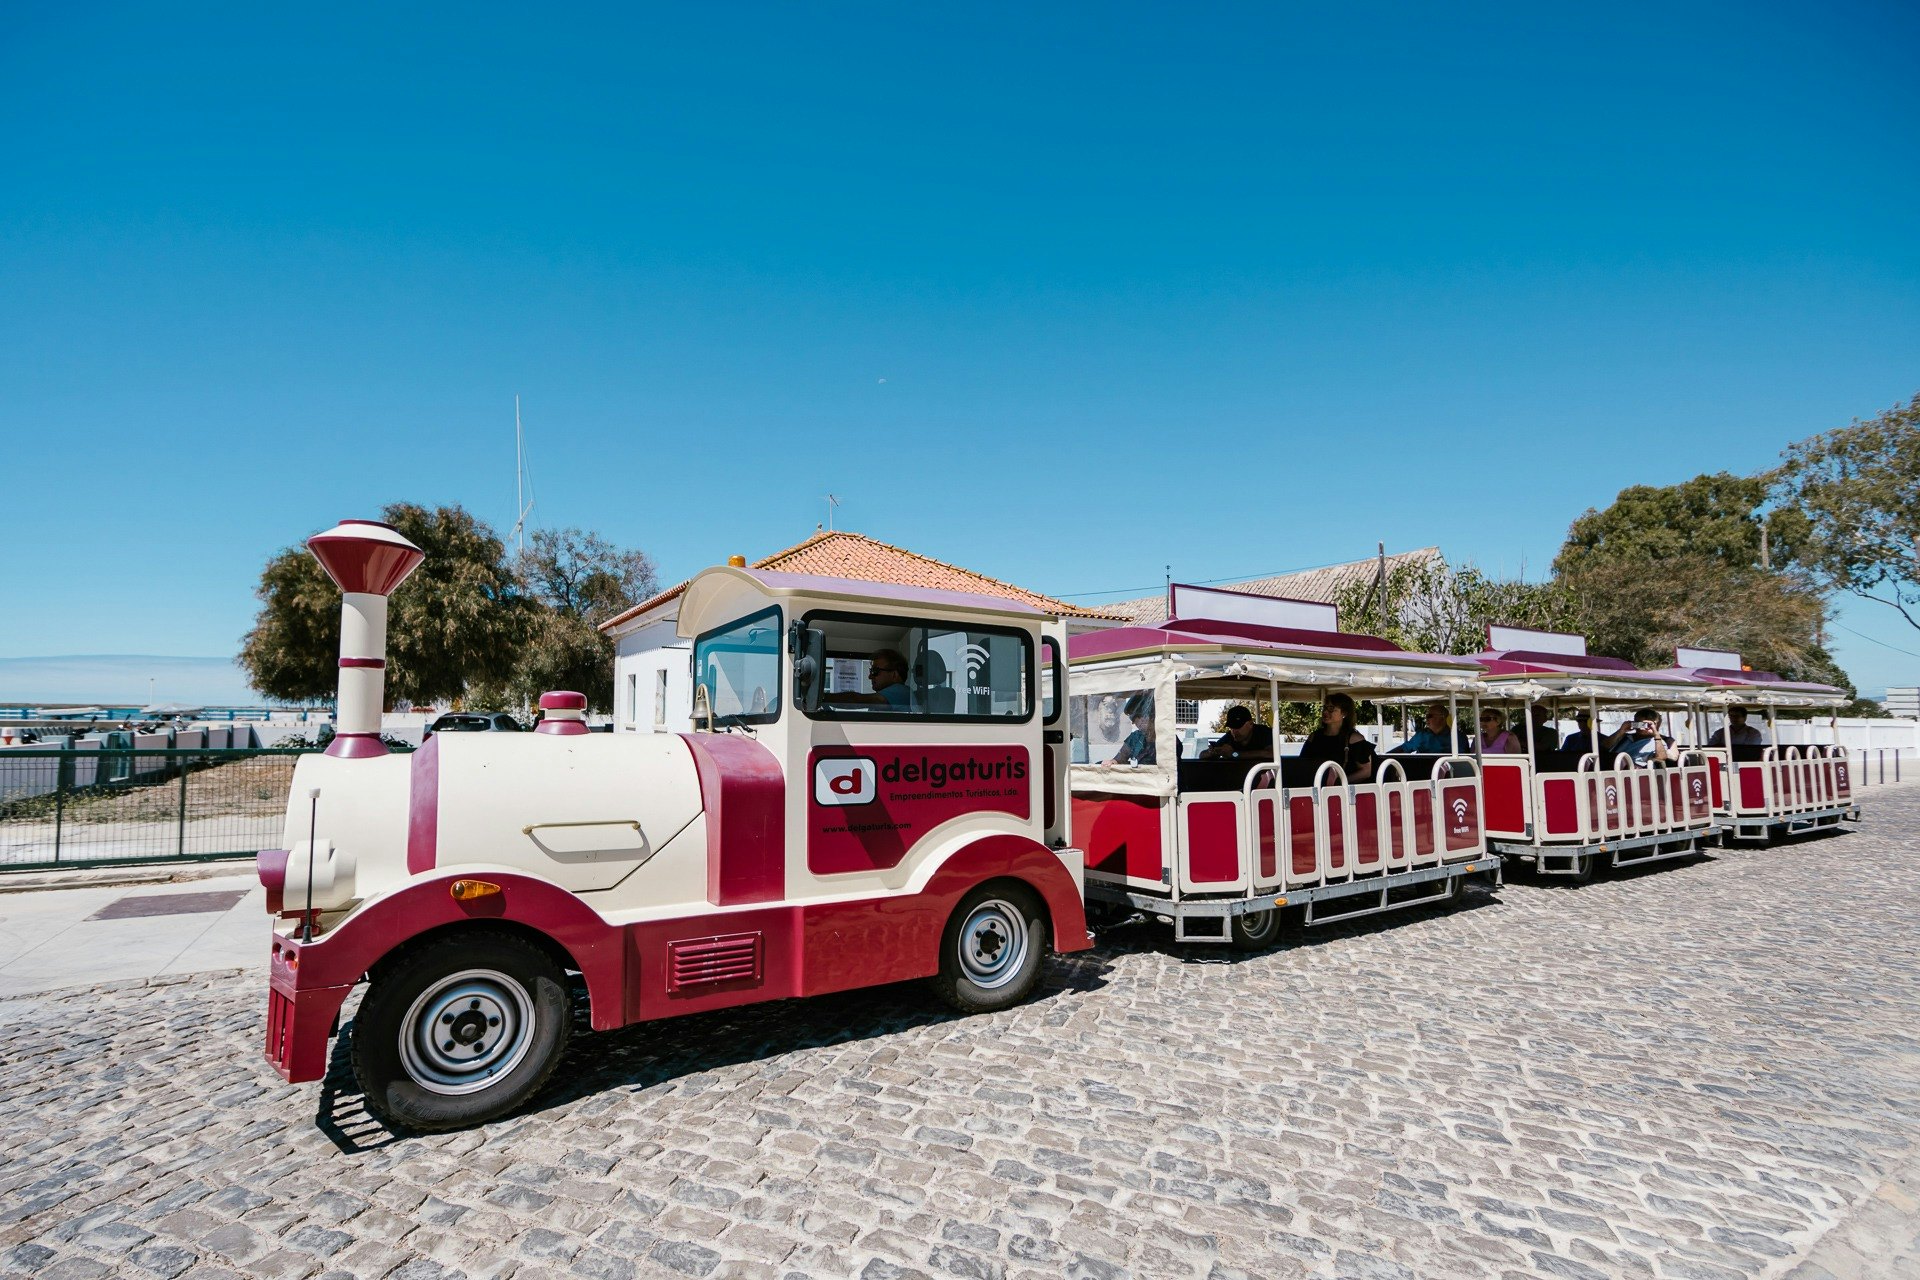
990 954
460 1029
1256 930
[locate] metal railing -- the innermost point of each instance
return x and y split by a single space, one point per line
62 808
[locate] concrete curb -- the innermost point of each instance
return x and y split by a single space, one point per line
115 877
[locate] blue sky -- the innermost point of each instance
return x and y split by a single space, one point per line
1062 293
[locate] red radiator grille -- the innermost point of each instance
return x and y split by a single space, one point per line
700 962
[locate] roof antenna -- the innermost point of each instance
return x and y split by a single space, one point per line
832 502
522 483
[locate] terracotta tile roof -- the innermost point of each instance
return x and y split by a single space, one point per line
1323 584
841 554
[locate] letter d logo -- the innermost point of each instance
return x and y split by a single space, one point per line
843 780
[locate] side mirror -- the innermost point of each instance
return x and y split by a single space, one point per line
809 666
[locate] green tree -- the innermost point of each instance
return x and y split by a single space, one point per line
1720 516
580 580
458 621
1859 489
1707 563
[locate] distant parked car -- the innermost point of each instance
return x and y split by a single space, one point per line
475 722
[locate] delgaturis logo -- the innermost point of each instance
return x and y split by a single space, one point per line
843 780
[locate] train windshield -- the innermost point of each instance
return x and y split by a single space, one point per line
740 666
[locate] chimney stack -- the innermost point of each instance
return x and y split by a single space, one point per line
366 560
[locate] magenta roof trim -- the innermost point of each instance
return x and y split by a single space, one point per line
1522 662
813 583
1245 636
1752 679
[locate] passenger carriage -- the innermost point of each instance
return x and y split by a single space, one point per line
1219 848
1760 790
1575 812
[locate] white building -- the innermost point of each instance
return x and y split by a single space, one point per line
653 666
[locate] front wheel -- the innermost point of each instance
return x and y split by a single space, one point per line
991 951
460 1029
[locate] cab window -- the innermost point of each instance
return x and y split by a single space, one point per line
740 666
880 668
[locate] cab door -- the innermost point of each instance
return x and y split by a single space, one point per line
1056 808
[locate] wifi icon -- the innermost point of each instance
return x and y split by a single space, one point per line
1460 809
975 657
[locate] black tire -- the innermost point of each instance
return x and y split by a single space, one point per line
1588 867
1256 930
991 950
475 984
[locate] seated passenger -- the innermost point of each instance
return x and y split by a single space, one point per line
1737 733
1245 739
1640 741
1580 741
1338 739
1495 738
1139 748
1536 730
1438 737
887 673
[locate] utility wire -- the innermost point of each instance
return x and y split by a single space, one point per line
1870 640
1198 582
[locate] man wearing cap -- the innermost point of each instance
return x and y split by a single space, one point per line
1244 739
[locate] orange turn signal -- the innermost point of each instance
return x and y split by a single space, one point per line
468 890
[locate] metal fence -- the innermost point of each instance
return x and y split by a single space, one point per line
79 807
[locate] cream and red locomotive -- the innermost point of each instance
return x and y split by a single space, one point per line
814 836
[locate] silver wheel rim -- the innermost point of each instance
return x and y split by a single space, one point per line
993 944
466 1031
1258 926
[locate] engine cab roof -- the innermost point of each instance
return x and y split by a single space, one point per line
716 596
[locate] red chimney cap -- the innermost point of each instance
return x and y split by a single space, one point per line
365 556
563 700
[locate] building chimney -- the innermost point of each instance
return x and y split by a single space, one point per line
366 560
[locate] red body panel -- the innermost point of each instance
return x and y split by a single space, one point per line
1562 816
1119 834
1266 813
1213 843
1423 836
868 806
1717 779
1505 789
1460 811
1336 834
744 795
1753 789
801 949
1366 830
1306 859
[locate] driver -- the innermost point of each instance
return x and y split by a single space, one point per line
887 674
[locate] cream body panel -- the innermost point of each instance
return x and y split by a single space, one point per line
581 794
671 883
362 815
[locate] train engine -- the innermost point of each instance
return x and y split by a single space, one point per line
873 792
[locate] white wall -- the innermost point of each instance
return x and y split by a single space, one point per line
639 658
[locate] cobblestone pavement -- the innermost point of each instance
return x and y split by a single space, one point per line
1709 1069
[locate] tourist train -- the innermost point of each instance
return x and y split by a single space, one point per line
887 782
